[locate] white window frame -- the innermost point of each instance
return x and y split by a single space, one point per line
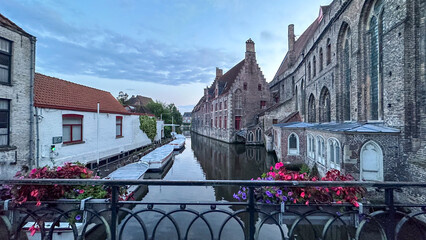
320 150
292 151
311 146
337 155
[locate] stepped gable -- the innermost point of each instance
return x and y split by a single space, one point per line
51 92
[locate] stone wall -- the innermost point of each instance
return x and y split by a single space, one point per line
21 142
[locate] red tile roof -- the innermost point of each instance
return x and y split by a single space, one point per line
56 93
5 22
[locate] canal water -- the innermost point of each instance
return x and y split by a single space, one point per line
202 159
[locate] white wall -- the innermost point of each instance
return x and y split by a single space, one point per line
50 126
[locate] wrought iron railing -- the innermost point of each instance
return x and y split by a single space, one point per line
114 219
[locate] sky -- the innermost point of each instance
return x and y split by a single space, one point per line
164 49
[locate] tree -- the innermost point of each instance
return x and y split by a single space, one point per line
122 97
166 112
149 126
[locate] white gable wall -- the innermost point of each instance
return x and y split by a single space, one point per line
50 125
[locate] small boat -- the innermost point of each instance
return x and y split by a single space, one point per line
158 158
177 144
133 171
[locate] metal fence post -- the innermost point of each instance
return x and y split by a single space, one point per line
252 228
114 201
390 223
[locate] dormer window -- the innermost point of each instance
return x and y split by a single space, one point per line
245 86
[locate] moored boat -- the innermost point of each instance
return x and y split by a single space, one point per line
158 158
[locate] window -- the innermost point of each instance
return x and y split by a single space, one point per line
262 104
250 137
225 105
237 122
215 107
311 109
274 121
328 56
225 122
5 60
258 135
334 153
320 59
320 150
119 126
238 99
309 71
72 128
259 87
211 123
314 63
371 162
220 106
220 122
293 144
4 122
375 65
245 86
311 146
325 112
215 122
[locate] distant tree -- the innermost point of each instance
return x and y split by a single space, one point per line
122 97
166 112
149 126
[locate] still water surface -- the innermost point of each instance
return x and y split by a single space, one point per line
203 159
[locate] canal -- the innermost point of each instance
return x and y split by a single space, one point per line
202 159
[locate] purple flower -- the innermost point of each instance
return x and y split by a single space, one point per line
267 201
279 192
284 198
236 197
290 194
244 189
244 196
78 217
268 193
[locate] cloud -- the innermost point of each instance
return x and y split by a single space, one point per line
71 50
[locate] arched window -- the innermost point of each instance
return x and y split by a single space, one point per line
371 162
309 71
250 137
325 112
238 99
320 60
302 94
293 144
258 135
375 32
314 63
312 109
328 55
320 150
347 78
334 153
311 146
220 122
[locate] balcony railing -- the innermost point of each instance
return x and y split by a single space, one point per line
114 219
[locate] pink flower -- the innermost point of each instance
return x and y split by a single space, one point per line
302 194
278 165
81 191
307 203
34 170
38 203
58 169
34 193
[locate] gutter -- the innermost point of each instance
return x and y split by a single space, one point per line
32 70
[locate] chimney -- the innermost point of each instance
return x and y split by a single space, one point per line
219 73
249 48
291 37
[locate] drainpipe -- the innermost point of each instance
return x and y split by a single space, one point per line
38 138
32 70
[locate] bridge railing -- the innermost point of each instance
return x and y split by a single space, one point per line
114 219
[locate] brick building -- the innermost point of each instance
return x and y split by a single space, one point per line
17 62
231 104
356 77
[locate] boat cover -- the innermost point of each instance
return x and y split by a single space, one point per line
131 171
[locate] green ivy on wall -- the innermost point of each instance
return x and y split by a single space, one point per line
149 126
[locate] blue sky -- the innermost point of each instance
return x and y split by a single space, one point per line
164 49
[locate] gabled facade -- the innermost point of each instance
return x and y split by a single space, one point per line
67 126
360 65
231 104
17 62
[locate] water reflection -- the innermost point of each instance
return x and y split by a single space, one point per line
223 161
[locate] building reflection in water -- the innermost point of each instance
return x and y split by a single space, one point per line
224 161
